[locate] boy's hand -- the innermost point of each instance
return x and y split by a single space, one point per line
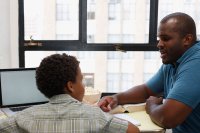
107 103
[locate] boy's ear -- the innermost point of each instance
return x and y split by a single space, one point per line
68 87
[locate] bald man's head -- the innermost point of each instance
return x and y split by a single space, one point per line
184 24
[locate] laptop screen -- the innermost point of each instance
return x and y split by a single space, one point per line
18 87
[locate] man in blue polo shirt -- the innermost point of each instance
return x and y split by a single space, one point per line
178 79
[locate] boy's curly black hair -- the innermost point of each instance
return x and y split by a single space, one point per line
54 72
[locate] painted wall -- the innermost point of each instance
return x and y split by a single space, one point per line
9 34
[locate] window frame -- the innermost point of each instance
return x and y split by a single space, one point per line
81 44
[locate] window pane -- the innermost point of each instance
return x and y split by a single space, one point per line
191 7
107 71
57 20
118 21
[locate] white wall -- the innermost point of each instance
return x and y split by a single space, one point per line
9 34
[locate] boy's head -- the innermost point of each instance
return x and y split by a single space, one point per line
60 74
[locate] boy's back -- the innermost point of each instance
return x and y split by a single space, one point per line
65 114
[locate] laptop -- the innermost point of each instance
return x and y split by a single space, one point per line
18 90
107 94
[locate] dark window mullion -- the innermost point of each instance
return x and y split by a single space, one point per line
81 44
52 45
21 34
83 22
153 22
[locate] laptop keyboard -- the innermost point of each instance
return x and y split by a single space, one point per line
15 109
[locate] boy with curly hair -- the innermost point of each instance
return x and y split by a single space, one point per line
59 78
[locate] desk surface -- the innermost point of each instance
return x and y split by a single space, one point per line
146 124
137 112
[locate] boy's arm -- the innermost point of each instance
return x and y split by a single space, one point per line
132 128
8 125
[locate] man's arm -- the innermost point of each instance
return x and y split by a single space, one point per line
168 114
137 94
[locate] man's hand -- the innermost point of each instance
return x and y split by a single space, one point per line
107 103
152 102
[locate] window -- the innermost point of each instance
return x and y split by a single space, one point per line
169 6
198 37
112 71
64 37
114 11
90 38
113 55
91 9
85 55
114 38
127 81
119 82
62 11
120 55
187 6
127 38
147 76
113 80
44 21
165 7
129 9
88 79
151 55
91 30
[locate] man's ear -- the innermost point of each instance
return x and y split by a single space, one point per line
188 39
69 87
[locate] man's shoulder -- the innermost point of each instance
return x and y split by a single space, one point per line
195 50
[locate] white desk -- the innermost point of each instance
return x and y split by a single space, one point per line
137 112
146 125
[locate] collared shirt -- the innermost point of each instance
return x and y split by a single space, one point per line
181 82
63 114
